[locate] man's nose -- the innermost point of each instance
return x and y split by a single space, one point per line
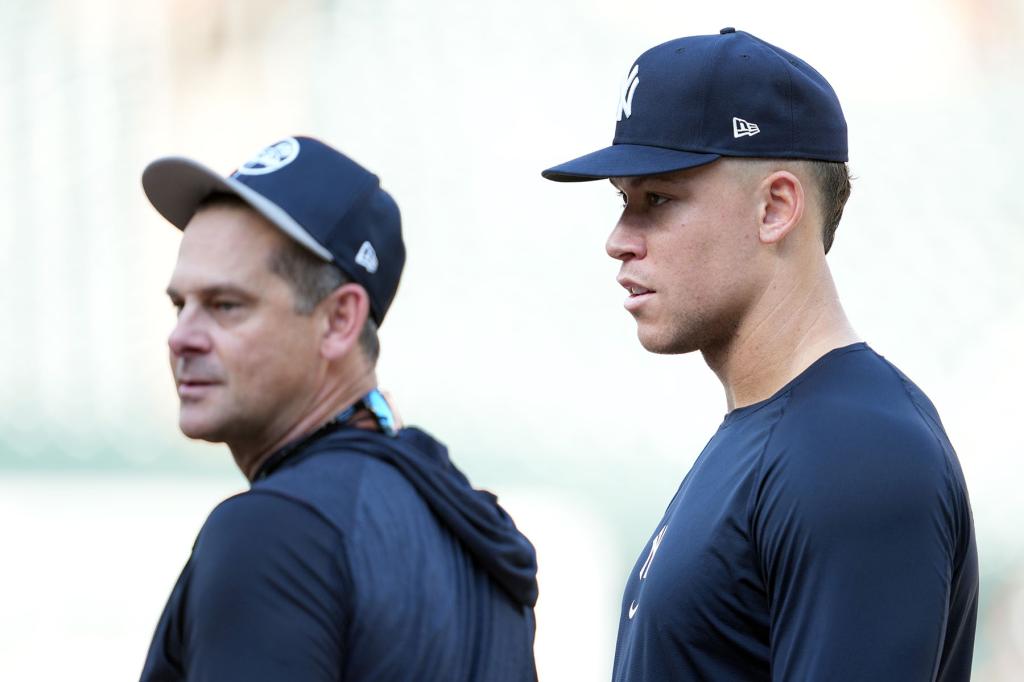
625 242
189 336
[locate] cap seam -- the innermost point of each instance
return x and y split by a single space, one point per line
789 94
713 60
360 200
792 112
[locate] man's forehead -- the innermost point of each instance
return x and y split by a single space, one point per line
229 209
227 246
735 168
231 227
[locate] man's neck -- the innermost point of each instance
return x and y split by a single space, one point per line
783 336
330 401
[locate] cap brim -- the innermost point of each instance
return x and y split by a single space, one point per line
626 160
176 186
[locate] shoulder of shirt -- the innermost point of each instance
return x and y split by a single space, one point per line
855 406
251 510
338 483
259 527
281 544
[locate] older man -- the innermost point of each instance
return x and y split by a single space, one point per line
359 552
825 531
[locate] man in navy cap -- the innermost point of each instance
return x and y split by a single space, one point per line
359 552
825 531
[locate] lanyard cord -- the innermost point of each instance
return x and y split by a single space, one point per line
373 401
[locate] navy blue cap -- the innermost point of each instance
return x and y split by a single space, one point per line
690 101
316 195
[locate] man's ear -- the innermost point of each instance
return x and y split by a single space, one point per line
782 209
345 310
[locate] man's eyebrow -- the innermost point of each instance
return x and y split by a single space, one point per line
637 180
215 290
673 178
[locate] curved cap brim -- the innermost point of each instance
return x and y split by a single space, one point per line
176 186
626 160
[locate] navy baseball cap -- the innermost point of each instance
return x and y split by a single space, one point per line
316 195
691 101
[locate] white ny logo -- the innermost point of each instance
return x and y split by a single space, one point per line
654 550
655 544
628 90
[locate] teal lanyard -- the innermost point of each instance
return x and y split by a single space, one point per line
373 402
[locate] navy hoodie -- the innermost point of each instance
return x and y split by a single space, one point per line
357 556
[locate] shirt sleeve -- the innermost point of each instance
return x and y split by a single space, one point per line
857 529
266 599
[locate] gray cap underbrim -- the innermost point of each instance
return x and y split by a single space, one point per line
176 186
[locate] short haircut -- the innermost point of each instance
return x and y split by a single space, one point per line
833 180
310 278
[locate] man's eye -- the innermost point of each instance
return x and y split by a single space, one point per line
655 199
178 305
622 197
225 306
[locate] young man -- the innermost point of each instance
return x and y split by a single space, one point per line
825 531
359 552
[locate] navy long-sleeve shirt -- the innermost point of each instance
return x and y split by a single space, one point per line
360 557
823 534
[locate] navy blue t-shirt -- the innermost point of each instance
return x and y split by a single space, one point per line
822 534
360 558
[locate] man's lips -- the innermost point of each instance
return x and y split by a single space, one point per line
638 293
194 388
633 287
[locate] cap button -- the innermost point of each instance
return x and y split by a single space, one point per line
727 29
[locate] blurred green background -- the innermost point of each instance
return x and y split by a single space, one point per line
507 339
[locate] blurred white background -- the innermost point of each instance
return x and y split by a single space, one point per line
507 339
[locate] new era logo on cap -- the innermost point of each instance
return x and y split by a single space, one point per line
367 257
741 128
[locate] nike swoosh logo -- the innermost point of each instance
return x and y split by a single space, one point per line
632 609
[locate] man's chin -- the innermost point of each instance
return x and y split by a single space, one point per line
664 344
200 429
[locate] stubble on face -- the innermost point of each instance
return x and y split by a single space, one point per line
697 248
688 332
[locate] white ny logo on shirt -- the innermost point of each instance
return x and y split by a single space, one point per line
654 550
645 569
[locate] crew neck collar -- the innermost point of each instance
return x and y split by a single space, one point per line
740 412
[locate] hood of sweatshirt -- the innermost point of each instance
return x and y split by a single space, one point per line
473 516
